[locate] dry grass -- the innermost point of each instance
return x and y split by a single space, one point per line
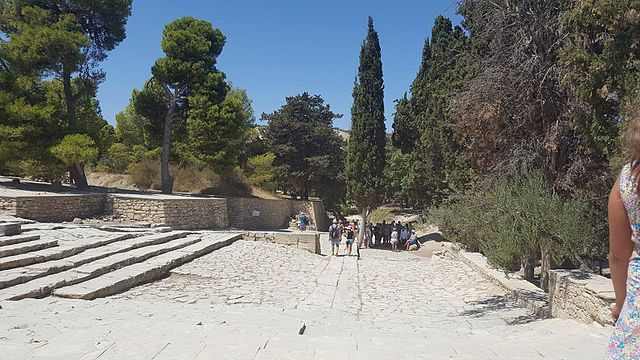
119 181
146 176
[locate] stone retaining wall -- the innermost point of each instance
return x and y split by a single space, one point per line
254 214
7 206
179 213
54 208
308 241
581 296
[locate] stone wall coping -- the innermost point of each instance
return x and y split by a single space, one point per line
44 196
162 197
524 292
599 285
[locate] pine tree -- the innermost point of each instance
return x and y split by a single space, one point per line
366 151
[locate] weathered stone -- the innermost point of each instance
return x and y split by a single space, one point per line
8 229
580 296
413 247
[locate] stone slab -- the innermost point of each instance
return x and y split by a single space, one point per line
17 239
43 286
139 273
524 292
79 256
23 248
8 229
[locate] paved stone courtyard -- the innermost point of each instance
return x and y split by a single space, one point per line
251 300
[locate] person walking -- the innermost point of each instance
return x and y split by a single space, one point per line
303 221
368 236
351 231
394 240
334 237
624 232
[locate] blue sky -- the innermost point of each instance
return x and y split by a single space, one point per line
282 48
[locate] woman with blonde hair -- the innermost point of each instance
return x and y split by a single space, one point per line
624 232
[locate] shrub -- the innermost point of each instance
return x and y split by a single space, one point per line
117 158
259 172
517 222
145 174
75 149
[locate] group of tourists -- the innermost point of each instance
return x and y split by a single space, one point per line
381 234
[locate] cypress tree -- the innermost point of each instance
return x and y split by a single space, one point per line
366 152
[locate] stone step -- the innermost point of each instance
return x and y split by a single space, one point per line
139 273
43 286
38 266
23 248
55 253
10 228
17 239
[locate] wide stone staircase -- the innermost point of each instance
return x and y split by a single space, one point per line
34 263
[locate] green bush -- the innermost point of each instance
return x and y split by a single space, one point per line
75 149
516 223
259 172
117 159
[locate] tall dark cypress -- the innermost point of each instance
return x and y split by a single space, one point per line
366 153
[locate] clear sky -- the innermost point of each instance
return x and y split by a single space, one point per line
282 48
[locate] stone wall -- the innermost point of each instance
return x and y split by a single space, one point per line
308 241
581 296
254 214
54 208
180 212
177 212
7 206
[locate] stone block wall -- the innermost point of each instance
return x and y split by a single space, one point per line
308 241
55 208
179 213
7 206
580 296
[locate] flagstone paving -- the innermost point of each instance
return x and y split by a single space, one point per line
253 300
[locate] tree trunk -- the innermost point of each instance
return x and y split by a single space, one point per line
76 171
167 179
361 231
527 269
547 264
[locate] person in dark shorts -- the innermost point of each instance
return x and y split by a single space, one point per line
334 237
350 237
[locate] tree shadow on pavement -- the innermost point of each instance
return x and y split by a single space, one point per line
495 304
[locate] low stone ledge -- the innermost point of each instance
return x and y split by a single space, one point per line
581 296
308 241
523 292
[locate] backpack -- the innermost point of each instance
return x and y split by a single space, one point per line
334 232
305 220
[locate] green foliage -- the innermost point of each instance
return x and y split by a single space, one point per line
423 126
217 126
259 171
516 220
601 62
49 58
366 150
191 47
307 150
117 158
396 174
75 149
